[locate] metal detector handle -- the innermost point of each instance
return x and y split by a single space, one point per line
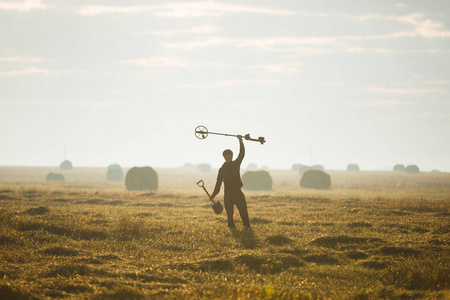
202 185
260 139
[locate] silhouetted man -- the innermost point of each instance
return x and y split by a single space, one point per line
229 173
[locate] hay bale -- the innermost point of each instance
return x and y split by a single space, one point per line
114 173
315 179
412 169
296 167
66 165
303 168
54 177
300 168
257 181
252 166
353 167
399 168
205 168
141 179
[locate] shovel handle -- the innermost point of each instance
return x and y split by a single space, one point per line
202 185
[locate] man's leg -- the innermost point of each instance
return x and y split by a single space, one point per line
242 207
229 207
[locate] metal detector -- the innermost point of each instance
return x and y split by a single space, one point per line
217 207
201 132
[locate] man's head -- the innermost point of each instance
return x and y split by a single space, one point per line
228 155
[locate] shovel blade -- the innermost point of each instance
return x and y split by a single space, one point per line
217 207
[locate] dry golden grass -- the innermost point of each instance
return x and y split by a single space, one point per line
94 240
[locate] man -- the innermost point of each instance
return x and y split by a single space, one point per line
229 173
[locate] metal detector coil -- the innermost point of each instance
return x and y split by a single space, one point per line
201 132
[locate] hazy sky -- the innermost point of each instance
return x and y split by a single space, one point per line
325 82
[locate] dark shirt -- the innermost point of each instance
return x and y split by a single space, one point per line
230 174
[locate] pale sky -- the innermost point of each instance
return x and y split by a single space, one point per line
325 82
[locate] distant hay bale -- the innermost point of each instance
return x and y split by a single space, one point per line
318 167
141 179
252 166
188 165
54 177
205 168
303 168
296 167
66 165
114 167
353 167
315 179
435 171
412 169
399 168
257 181
114 173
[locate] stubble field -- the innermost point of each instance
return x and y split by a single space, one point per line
373 235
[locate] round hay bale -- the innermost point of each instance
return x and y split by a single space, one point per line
399 168
353 167
54 177
257 181
303 169
66 165
318 167
315 179
252 166
114 173
205 168
412 169
296 167
141 179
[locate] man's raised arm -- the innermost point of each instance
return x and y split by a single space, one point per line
241 150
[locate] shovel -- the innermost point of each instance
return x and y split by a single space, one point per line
217 207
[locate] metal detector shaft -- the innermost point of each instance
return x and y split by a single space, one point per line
225 134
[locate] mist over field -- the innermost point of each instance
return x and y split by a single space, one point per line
324 82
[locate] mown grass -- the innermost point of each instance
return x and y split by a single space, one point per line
76 243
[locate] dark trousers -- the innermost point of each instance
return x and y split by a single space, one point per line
236 198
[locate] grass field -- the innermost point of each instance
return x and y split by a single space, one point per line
373 235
